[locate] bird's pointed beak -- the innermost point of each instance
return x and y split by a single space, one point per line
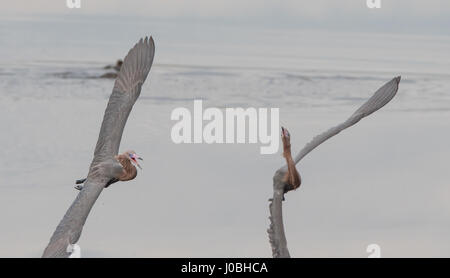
284 132
135 158
141 159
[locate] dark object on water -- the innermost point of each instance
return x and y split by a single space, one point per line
115 67
109 75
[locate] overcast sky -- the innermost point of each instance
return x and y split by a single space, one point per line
416 16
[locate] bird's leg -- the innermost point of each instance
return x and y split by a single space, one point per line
292 177
79 183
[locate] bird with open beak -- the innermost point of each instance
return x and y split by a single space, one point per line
129 161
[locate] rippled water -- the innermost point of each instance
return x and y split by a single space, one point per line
229 86
54 57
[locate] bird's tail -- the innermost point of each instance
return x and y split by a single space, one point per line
80 181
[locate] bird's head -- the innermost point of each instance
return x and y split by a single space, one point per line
133 157
285 136
285 133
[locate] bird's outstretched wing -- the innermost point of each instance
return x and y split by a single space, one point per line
127 88
379 99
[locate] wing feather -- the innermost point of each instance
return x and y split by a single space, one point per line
127 89
379 99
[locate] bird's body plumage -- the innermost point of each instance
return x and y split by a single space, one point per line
129 170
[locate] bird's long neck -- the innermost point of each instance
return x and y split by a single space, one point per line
292 177
287 150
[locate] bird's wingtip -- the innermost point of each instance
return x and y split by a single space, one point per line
147 40
152 42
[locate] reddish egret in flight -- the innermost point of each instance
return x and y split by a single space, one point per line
286 178
105 167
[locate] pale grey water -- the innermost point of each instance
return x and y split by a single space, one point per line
383 181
